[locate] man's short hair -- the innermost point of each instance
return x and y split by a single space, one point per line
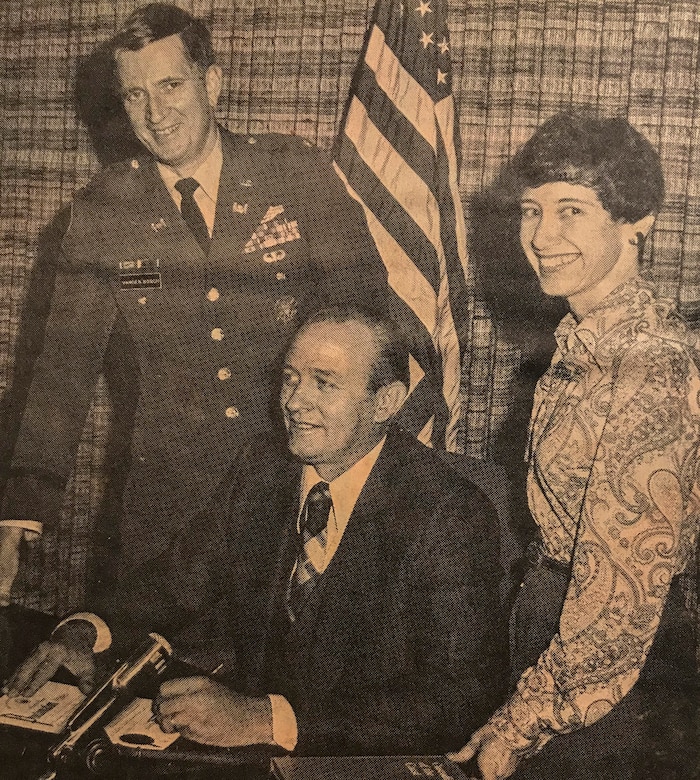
608 155
155 21
392 360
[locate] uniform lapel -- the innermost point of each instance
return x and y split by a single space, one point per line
167 224
243 197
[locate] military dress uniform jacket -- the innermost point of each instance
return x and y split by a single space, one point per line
399 648
187 342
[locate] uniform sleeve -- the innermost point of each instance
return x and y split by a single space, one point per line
81 316
340 241
636 531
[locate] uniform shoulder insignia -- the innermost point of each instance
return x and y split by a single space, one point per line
289 144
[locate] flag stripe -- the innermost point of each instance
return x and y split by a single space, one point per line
402 89
372 194
409 190
404 277
397 156
395 127
445 115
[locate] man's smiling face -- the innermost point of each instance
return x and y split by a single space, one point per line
329 411
170 102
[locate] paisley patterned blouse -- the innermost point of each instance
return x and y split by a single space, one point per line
613 486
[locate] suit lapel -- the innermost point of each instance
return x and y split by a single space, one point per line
347 599
275 616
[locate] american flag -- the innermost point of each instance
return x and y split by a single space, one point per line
397 155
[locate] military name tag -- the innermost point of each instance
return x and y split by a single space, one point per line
141 274
141 281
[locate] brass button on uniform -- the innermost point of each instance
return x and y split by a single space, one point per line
217 334
213 295
232 413
224 374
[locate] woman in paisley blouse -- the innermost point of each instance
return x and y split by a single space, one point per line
613 464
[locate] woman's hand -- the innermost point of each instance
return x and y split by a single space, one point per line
495 758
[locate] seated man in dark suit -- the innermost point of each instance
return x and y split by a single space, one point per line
350 590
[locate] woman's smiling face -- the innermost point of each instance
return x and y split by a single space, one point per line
573 244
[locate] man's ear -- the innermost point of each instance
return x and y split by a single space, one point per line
388 400
213 81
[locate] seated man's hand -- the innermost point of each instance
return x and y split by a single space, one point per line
207 712
70 647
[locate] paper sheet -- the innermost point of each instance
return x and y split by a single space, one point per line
134 727
48 710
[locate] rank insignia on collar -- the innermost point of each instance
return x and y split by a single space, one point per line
240 208
285 309
156 226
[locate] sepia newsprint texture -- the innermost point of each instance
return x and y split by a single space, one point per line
287 68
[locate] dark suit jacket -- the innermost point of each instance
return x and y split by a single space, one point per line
399 649
131 299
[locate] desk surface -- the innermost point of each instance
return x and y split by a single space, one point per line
670 737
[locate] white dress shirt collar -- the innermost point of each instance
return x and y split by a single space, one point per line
207 175
345 490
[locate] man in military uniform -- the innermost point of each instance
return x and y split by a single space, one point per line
182 275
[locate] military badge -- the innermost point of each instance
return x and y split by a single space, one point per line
274 256
285 309
272 232
240 208
272 212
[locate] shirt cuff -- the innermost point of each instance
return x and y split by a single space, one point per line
284 722
31 527
104 635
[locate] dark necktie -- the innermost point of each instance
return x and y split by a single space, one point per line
314 519
191 213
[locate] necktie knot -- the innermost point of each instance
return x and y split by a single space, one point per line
187 187
317 508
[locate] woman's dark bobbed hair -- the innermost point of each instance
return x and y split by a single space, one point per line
607 155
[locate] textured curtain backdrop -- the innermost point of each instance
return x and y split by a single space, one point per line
287 68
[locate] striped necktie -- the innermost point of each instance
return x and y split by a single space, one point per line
191 212
311 559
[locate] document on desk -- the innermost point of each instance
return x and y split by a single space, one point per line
366 768
135 727
48 710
